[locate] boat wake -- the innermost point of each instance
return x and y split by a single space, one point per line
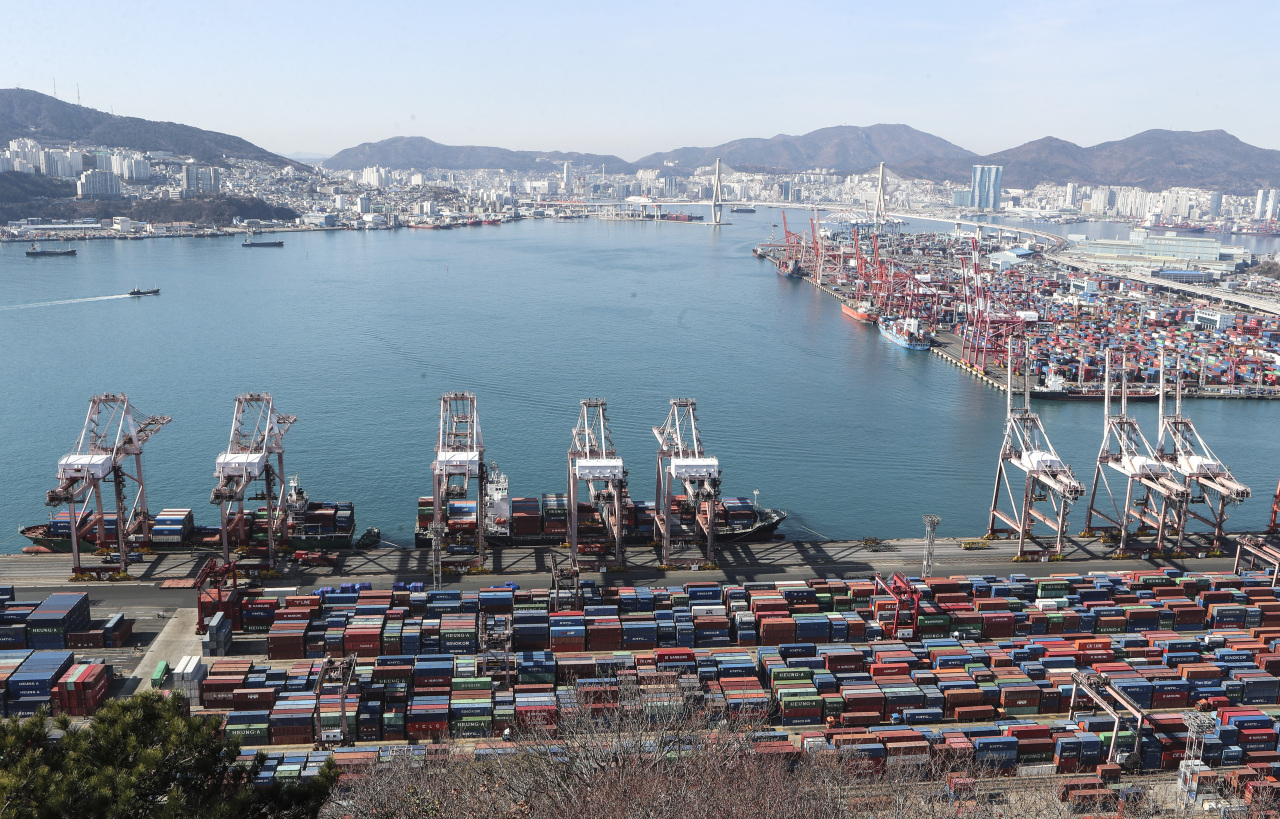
63 301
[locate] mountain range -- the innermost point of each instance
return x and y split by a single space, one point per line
44 118
402 153
1153 159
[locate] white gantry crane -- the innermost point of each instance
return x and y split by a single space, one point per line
257 434
1049 481
1208 481
459 459
113 432
681 460
594 461
1151 494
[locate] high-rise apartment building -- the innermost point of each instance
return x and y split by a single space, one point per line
985 187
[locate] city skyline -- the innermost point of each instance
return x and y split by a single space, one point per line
319 78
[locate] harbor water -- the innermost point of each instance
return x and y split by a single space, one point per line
358 334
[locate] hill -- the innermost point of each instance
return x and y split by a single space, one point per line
18 187
843 147
40 117
402 153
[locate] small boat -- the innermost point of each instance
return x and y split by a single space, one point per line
35 250
155 291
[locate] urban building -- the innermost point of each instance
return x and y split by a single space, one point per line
97 184
985 187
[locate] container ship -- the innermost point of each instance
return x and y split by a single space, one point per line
311 525
905 332
544 521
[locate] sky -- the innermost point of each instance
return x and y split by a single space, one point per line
630 79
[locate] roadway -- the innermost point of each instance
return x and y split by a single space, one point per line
36 576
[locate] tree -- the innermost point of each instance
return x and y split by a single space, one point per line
1268 268
139 757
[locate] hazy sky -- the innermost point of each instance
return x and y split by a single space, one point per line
637 77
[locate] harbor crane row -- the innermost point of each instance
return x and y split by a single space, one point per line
681 459
257 434
1207 479
1049 481
113 432
459 460
594 461
1148 484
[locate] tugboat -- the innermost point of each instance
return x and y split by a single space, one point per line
155 291
35 250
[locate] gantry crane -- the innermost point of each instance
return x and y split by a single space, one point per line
338 673
681 459
215 575
907 599
113 432
459 459
988 323
594 461
1048 480
1111 700
257 433
1180 446
1147 482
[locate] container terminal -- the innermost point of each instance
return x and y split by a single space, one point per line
966 294
1091 683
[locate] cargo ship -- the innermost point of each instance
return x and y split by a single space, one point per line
311 525
861 310
905 332
1057 389
35 250
544 521
137 291
742 209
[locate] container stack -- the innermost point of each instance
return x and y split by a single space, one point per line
217 640
82 689
187 677
31 685
52 620
555 514
173 526
10 661
526 517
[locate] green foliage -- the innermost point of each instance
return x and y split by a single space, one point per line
219 211
23 187
139 757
